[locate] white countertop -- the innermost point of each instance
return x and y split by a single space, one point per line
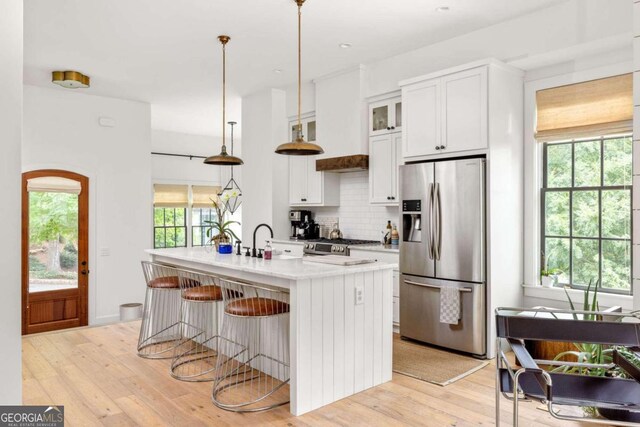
374 247
293 269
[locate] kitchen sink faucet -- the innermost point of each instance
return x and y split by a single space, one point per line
253 250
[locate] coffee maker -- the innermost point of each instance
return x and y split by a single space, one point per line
302 226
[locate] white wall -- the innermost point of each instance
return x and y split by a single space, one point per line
61 131
519 41
10 261
358 219
181 169
265 184
636 155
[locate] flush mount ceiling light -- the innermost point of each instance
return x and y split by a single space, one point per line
70 79
231 193
299 147
442 9
345 45
277 71
224 159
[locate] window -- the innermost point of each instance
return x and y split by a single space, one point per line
169 227
586 212
199 226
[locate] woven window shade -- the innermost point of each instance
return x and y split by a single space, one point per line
54 184
593 108
203 194
170 196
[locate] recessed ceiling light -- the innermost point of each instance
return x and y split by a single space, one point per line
277 71
442 9
345 45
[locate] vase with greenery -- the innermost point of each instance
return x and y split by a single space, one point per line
595 355
548 275
219 231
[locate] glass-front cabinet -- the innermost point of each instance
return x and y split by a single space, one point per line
385 116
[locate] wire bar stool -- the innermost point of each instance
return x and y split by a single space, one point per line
201 297
160 330
253 362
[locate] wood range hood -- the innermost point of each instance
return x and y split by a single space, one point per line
354 163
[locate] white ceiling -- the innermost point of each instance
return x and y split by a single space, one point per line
165 52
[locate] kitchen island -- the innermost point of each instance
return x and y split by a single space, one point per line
340 343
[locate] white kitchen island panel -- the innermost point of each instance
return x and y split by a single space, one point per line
337 347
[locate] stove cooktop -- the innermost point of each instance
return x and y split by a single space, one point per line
344 241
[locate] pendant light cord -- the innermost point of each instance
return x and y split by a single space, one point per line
299 69
224 91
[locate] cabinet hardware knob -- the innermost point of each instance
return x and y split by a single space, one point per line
437 147
388 198
442 147
388 128
393 127
84 272
393 198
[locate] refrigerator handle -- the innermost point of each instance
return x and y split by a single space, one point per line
430 222
438 223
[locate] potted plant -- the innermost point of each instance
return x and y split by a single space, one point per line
548 276
219 231
598 354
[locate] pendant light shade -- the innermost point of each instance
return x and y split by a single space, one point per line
231 194
299 147
224 158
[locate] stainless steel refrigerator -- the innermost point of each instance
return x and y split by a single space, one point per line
442 243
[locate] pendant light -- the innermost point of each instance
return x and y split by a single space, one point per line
299 147
231 193
224 159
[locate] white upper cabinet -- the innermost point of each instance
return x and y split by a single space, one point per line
464 97
446 114
308 187
384 159
421 133
385 116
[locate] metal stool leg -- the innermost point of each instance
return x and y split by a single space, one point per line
160 326
253 363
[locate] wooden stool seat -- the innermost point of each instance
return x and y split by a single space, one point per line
251 307
203 293
169 282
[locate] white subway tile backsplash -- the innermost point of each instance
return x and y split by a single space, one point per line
357 218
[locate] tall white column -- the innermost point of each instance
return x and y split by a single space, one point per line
636 155
11 136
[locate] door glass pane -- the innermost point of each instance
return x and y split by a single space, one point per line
587 164
616 214
585 261
557 213
311 131
380 118
585 214
559 165
557 258
617 161
53 241
398 114
616 264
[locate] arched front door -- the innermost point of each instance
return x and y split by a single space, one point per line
55 250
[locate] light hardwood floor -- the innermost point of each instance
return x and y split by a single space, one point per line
96 375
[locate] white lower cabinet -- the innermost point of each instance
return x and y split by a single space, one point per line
293 249
391 258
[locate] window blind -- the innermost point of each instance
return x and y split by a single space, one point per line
203 194
54 184
592 108
170 196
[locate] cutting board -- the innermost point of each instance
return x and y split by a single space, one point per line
336 259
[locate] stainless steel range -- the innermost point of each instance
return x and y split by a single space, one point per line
333 246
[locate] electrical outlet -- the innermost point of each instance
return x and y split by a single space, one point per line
359 295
